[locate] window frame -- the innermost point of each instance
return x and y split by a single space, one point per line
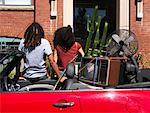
13 7
2 3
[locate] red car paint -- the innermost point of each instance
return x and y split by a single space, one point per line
84 101
115 101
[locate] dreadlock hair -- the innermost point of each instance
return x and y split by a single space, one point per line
33 35
64 37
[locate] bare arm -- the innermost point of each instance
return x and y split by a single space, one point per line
54 65
55 55
81 52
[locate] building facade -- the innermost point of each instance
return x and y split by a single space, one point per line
16 15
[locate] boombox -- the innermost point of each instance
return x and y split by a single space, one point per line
104 71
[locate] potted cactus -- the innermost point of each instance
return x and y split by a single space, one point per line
96 49
95 43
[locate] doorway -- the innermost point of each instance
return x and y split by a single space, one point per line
84 8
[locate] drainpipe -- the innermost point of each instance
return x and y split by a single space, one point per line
34 11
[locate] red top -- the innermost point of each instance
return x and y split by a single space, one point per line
65 57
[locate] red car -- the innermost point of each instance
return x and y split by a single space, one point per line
74 95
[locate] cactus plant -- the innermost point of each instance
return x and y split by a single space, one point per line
103 39
90 27
96 40
93 25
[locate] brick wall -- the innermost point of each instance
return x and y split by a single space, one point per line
14 22
57 22
142 30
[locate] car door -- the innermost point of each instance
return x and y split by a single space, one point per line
100 101
115 101
39 102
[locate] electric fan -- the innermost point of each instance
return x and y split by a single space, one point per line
123 43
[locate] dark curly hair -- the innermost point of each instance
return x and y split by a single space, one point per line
33 35
64 37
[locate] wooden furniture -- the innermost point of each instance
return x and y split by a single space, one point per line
102 70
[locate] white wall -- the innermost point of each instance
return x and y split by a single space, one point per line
123 14
68 12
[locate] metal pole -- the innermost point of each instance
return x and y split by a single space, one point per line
34 11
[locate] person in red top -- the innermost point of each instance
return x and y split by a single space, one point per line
66 49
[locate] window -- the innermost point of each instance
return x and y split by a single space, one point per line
16 2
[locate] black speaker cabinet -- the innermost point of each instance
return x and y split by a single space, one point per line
101 70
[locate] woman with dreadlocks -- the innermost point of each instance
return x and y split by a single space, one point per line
66 48
36 48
